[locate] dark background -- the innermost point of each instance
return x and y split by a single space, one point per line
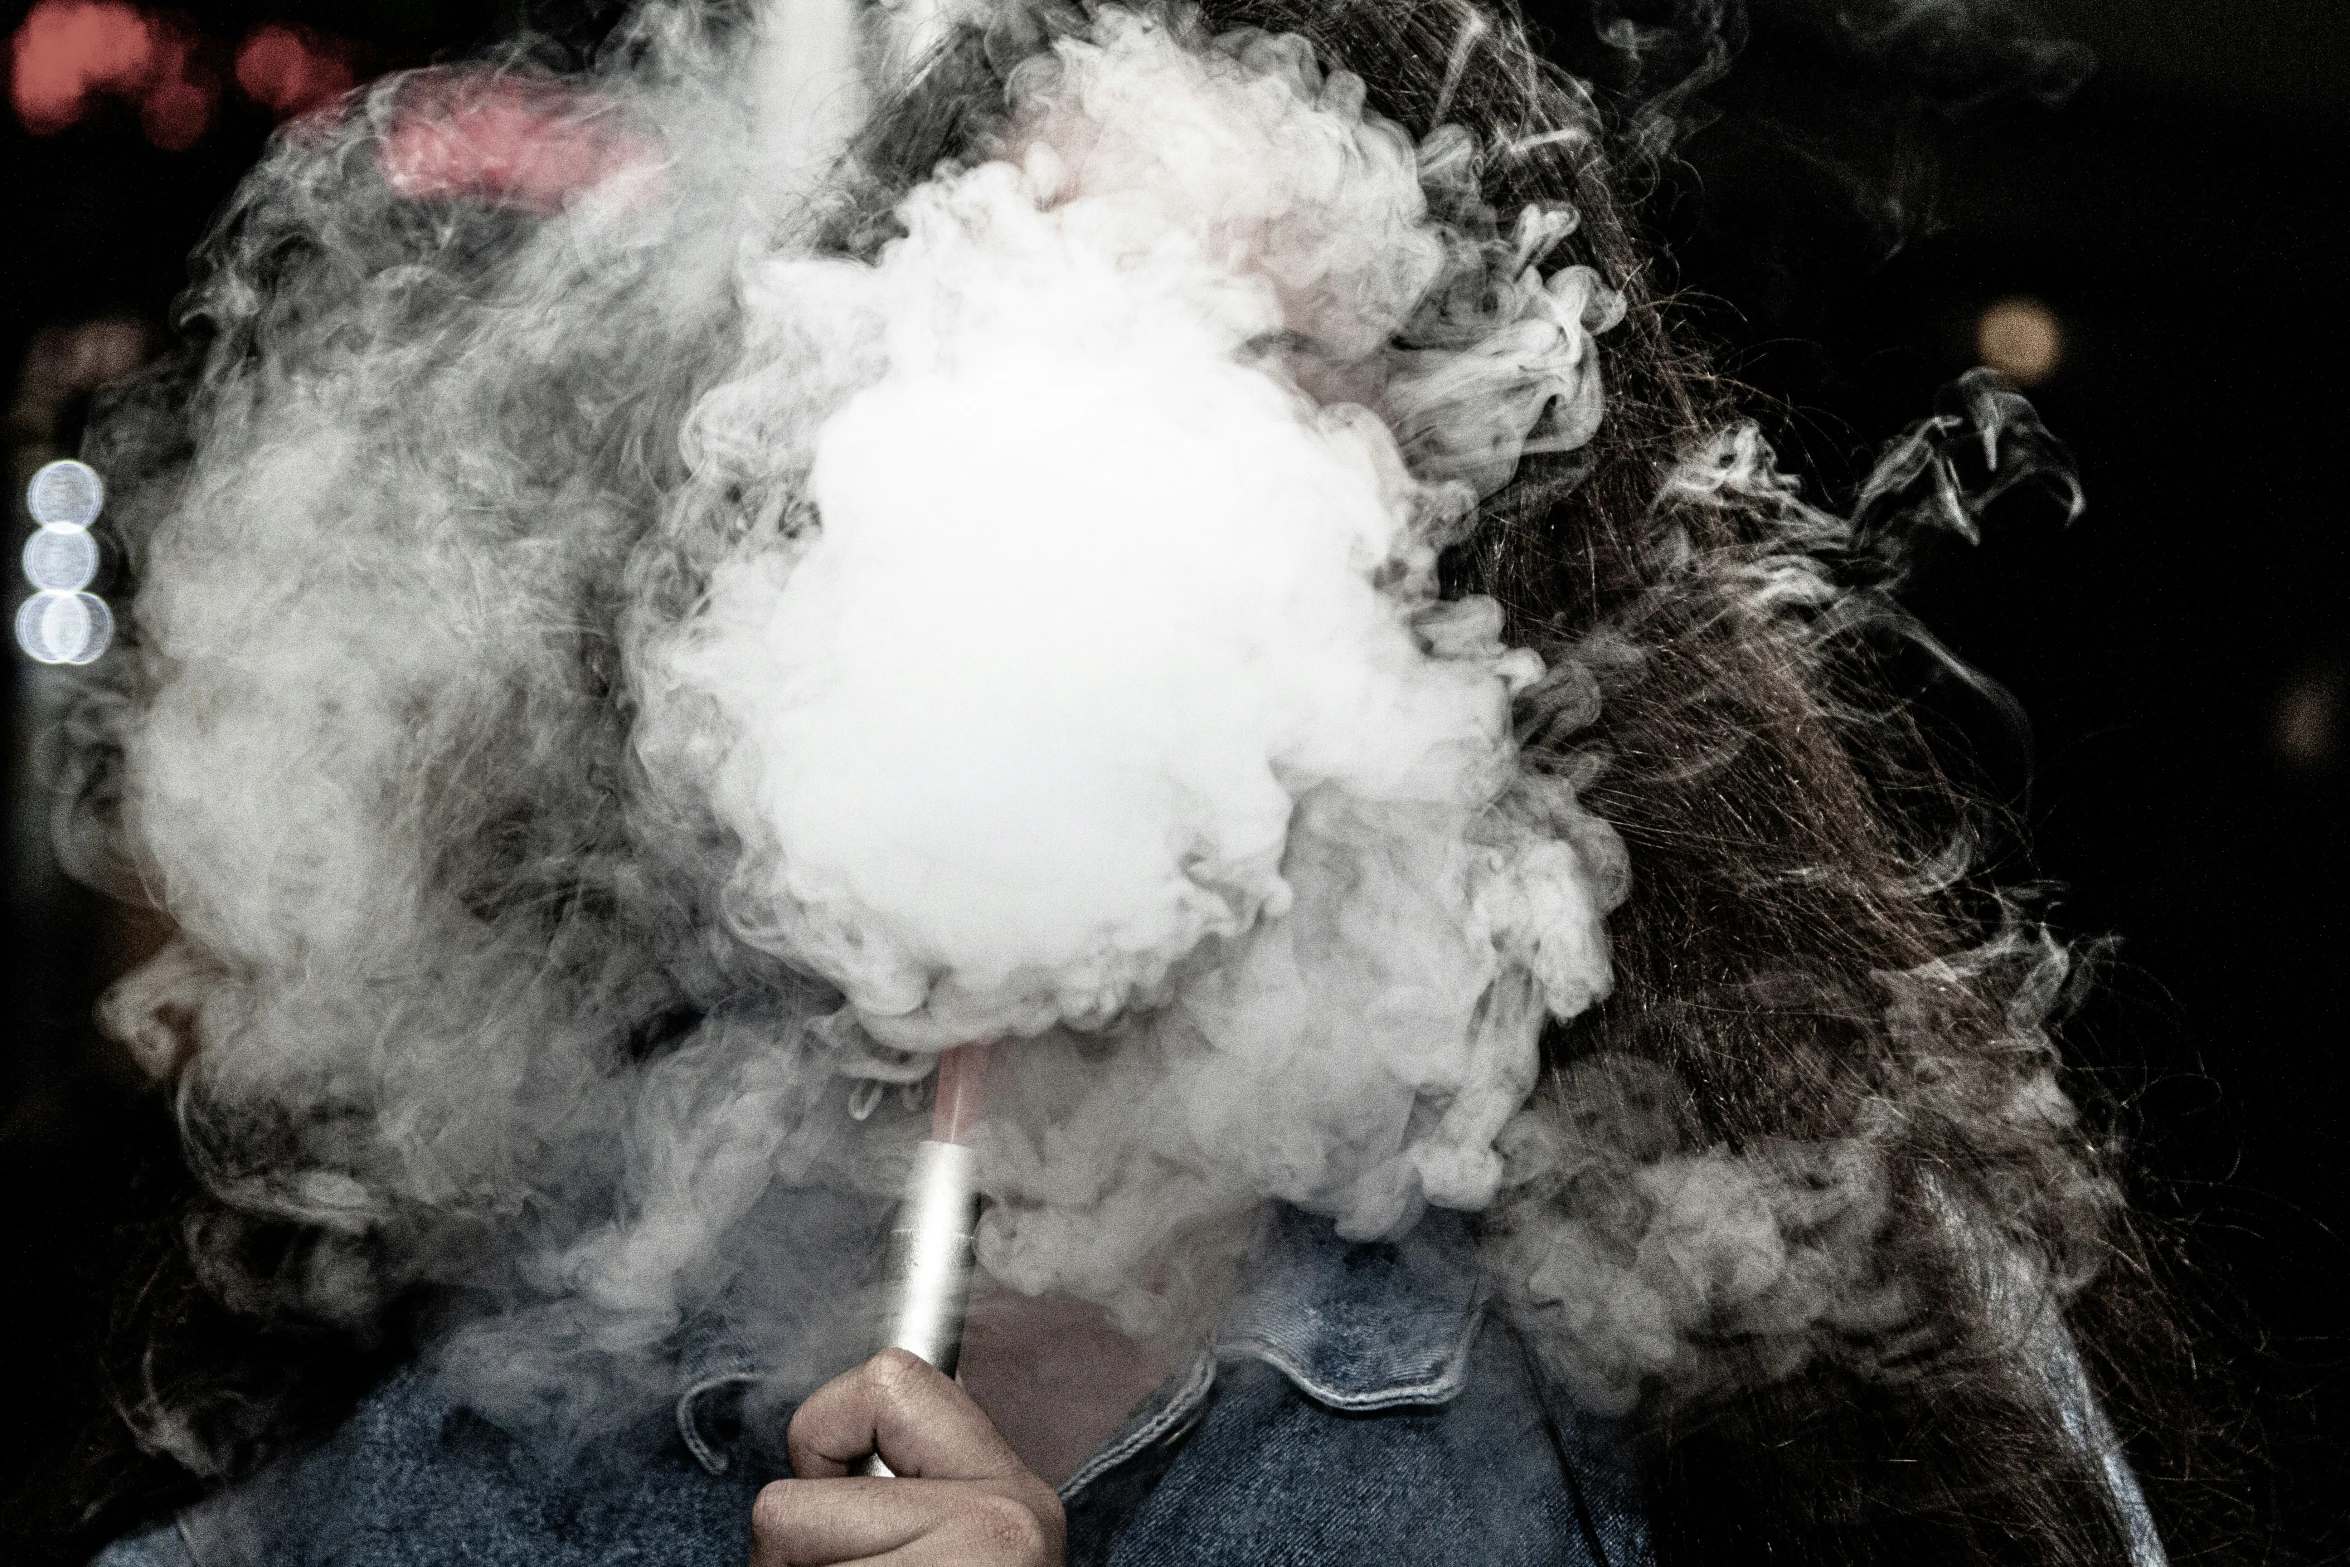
2181 649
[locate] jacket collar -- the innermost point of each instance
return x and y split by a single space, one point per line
1355 1326
1359 1325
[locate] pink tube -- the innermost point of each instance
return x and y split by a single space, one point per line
962 1083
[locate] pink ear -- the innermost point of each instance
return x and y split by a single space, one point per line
524 145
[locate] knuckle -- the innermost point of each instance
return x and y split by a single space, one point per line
772 1511
895 1369
1008 1531
901 1380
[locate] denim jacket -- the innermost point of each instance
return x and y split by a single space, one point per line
1354 1393
1358 1401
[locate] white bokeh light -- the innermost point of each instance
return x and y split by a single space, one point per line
64 628
61 623
65 494
60 560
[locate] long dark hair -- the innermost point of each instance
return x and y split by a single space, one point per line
1807 955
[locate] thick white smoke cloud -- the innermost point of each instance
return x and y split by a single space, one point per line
1090 599
1104 687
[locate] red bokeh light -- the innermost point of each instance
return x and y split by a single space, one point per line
176 108
68 52
292 70
526 145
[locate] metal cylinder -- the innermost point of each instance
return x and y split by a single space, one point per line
930 1253
929 1278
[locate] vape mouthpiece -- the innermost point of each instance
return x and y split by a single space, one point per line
930 1245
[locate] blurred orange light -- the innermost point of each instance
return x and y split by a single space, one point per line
2309 717
289 71
2021 339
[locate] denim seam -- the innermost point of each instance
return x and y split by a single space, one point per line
1179 1410
1441 1388
689 1428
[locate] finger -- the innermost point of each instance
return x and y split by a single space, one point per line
898 1523
921 1423
989 1528
806 1523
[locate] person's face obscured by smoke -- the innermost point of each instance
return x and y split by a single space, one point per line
629 661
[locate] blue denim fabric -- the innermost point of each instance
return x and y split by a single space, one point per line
1358 1400
160 1546
1357 1403
411 1481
